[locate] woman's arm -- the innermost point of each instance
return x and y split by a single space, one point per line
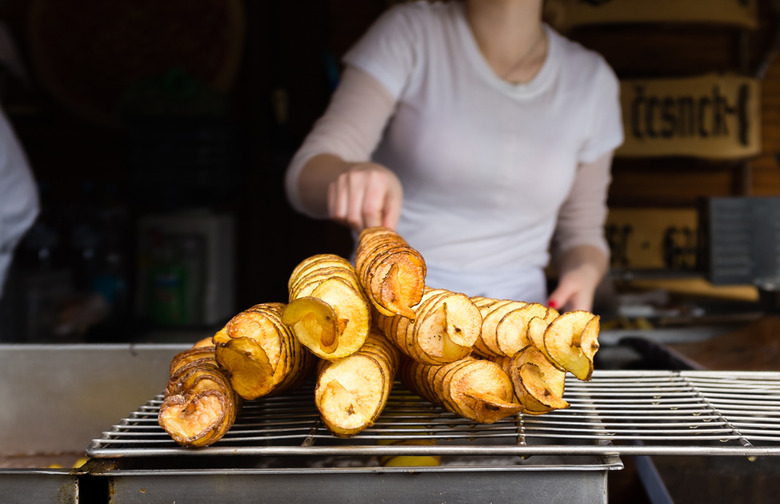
580 250
580 270
359 195
331 175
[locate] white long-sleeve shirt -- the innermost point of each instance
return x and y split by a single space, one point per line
19 204
490 170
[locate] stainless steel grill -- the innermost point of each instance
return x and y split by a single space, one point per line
617 413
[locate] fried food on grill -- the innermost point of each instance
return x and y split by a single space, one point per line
352 392
260 354
199 404
391 272
538 383
536 329
205 342
198 353
505 325
472 388
571 342
445 328
328 310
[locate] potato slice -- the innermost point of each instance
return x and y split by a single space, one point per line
315 265
392 292
193 421
486 345
220 336
538 384
505 325
260 354
250 370
476 389
571 341
196 354
306 285
352 392
199 405
205 342
512 329
314 322
536 329
328 309
481 391
391 272
353 314
551 315
445 329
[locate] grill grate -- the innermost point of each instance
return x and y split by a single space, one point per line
616 413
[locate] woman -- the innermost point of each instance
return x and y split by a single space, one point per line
483 137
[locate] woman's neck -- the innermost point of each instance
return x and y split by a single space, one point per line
510 36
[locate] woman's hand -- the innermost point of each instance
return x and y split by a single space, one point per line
581 270
575 291
365 195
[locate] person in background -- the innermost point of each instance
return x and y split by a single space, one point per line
19 201
479 134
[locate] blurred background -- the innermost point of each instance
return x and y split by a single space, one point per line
158 133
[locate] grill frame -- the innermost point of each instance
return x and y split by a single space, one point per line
711 413
514 460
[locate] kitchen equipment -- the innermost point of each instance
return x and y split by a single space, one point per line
278 445
279 450
741 237
55 399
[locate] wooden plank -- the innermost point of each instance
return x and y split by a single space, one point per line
677 182
564 14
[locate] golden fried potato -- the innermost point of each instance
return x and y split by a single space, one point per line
446 326
476 389
199 405
315 323
260 353
198 353
352 392
391 272
571 341
328 311
538 384
505 325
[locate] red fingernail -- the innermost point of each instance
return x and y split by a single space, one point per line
552 304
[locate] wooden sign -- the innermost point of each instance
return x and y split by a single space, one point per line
565 14
712 116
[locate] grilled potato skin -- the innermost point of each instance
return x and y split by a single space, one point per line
328 309
476 389
352 392
390 270
260 354
505 325
199 405
445 328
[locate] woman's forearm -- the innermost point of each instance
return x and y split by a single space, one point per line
342 138
316 175
584 257
358 195
580 270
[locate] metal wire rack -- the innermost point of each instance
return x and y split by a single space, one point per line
616 413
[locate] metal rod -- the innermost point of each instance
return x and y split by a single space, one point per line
616 413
